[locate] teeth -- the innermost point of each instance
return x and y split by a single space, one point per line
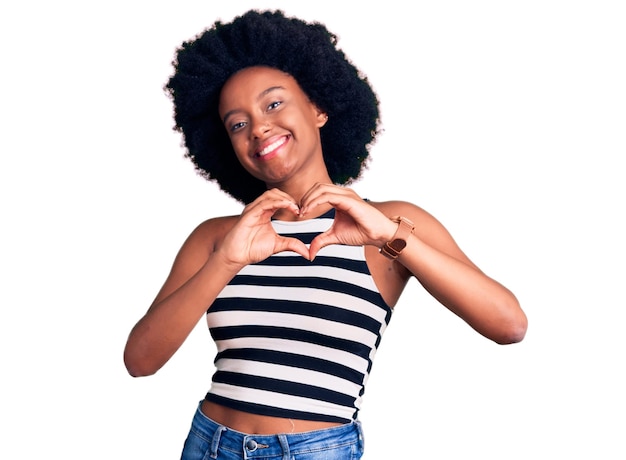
272 146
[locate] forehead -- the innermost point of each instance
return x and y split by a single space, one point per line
252 81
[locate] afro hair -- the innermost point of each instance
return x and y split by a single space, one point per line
306 51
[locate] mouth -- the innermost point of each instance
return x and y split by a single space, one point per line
271 147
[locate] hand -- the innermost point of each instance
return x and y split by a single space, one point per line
253 238
356 222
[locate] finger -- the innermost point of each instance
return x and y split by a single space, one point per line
309 192
320 188
268 205
338 197
272 194
321 241
292 244
278 193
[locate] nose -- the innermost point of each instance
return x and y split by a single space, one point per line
260 127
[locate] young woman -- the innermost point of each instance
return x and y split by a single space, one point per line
298 289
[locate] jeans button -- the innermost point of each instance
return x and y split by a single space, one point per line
251 445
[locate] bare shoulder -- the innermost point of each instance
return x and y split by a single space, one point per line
195 251
425 223
400 208
209 233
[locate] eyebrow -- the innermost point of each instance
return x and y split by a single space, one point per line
263 93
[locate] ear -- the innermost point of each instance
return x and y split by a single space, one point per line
321 116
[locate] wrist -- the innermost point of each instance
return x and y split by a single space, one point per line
223 258
392 248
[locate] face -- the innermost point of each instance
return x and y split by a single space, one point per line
272 125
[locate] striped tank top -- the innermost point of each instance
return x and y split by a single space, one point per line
296 339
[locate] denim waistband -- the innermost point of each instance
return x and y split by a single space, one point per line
278 446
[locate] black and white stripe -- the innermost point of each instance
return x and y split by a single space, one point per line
296 338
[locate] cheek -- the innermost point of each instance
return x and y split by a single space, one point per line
239 146
241 152
244 160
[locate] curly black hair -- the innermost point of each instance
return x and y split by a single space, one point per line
306 51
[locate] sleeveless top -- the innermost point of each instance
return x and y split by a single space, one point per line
296 339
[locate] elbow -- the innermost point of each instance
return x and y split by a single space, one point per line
512 328
136 366
503 321
511 335
135 370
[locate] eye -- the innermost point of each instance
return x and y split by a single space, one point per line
273 105
237 126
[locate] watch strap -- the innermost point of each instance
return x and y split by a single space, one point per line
392 249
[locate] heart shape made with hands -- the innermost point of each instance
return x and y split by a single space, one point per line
344 230
356 221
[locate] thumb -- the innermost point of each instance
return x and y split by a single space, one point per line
291 244
320 241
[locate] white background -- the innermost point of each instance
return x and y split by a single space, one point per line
506 120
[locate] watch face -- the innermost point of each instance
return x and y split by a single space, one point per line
398 245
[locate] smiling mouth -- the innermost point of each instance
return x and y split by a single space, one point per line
270 148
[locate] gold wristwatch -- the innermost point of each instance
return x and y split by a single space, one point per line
392 249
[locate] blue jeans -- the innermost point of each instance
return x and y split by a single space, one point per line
209 440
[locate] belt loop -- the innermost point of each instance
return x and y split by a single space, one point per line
359 427
282 438
215 442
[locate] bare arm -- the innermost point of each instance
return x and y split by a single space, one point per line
431 256
196 278
211 256
434 258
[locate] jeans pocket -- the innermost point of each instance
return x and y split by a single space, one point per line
196 447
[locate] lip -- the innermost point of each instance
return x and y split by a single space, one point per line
271 147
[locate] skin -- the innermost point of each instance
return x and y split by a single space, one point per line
274 129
